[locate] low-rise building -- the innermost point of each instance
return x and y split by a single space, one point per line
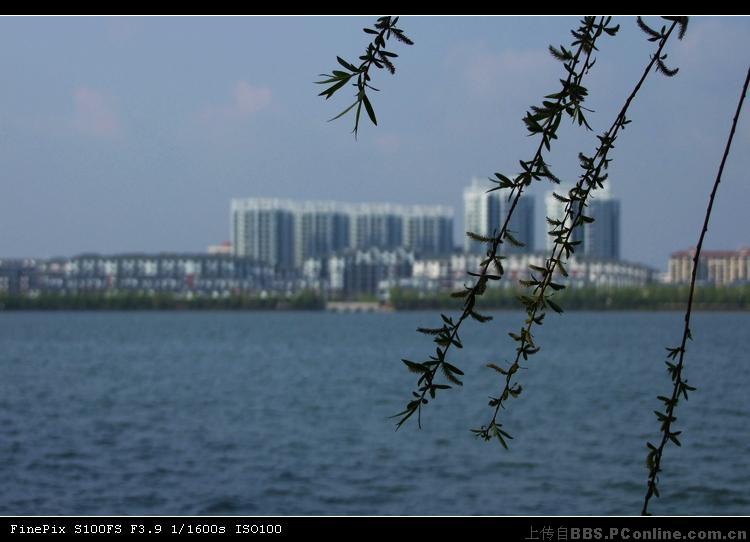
168 272
17 276
362 272
445 274
717 267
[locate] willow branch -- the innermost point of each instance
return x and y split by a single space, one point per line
576 201
568 100
675 370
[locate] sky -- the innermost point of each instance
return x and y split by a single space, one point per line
132 134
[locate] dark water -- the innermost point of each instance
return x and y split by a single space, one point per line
285 413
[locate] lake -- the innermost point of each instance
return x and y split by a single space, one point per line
265 413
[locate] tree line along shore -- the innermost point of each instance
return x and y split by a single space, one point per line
655 297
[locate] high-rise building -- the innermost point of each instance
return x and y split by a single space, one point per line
602 238
287 233
476 214
263 230
429 230
320 229
485 213
598 239
376 226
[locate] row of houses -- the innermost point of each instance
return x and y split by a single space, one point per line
173 273
346 274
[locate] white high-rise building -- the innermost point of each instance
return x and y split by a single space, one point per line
485 213
262 229
286 233
428 230
376 225
476 213
320 229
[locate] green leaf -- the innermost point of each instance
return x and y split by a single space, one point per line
356 118
452 368
344 112
498 369
513 241
368 107
480 238
430 330
345 64
554 306
332 90
415 367
450 375
480 317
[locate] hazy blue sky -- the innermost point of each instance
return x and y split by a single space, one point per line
132 134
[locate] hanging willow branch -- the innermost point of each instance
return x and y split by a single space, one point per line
542 121
541 278
375 55
680 385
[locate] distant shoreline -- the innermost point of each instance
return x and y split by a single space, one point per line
649 299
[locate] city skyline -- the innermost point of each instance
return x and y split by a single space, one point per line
604 244
96 160
288 232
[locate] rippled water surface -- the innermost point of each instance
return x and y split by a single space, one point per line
286 413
